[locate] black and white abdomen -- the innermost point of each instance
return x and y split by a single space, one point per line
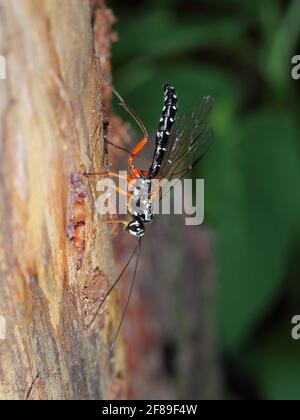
164 129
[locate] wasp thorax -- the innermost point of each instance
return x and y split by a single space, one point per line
139 204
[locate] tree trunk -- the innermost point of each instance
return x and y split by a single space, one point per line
54 264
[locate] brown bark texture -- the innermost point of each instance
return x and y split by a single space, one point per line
54 264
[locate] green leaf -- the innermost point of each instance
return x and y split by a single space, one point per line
261 207
274 365
277 62
159 34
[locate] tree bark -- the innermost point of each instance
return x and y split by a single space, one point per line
54 264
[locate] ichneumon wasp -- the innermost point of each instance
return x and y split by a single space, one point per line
181 142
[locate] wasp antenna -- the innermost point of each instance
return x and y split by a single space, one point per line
138 247
113 285
123 103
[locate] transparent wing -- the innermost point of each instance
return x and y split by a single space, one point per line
190 138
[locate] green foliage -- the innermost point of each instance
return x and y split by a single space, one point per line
240 52
273 364
260 216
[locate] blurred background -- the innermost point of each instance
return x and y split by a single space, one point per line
211 317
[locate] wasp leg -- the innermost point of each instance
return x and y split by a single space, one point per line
133 170
106 173
141 159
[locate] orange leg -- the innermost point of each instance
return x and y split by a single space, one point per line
118 221
106 173
133 170
120 191
114 174
128 195
111 222
141 159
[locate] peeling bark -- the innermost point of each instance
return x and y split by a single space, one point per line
54 264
